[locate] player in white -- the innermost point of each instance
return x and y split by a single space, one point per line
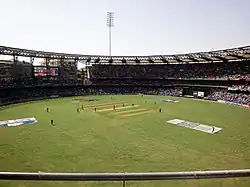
213 128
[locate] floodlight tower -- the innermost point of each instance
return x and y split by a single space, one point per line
110 24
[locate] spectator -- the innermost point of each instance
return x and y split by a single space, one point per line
240 98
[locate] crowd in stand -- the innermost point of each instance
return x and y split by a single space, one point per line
229 70
131 78
7 83
171 92
231 97
125 90
29 82
129 82
240 87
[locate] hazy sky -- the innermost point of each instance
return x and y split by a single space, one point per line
142 27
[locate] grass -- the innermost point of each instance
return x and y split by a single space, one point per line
102 142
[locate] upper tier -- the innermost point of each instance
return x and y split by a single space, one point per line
240 53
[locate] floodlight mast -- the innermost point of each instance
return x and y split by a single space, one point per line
110 24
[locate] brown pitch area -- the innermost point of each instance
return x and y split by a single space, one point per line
137 113
102 104
132 111
117 108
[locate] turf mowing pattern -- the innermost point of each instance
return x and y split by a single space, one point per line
102 142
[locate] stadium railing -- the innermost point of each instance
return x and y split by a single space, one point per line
124 176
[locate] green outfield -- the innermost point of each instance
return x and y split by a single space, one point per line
134 137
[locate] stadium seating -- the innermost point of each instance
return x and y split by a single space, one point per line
163 79
230 70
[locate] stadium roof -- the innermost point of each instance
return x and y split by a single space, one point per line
240 53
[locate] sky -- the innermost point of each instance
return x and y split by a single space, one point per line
141 27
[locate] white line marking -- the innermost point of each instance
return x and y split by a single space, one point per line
195 126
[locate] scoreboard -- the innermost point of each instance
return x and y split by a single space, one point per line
41 71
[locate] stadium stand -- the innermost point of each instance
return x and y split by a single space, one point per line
240 98
224 71
221 75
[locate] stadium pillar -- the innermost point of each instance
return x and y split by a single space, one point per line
47 62
32 60
61 61
15 61
75 67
